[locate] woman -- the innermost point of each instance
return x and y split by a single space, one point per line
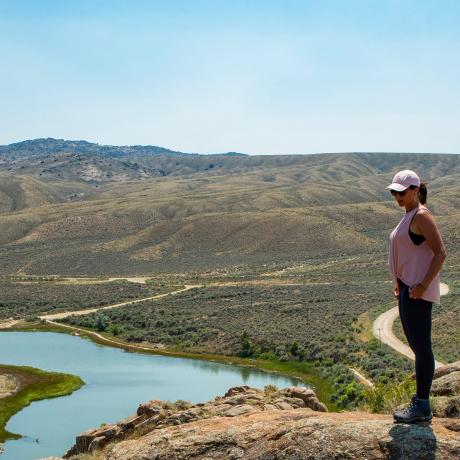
416 254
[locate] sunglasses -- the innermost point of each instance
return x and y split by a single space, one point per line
394 192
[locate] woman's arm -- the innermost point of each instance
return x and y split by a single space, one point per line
425 225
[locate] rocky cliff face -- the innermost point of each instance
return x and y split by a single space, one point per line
291 423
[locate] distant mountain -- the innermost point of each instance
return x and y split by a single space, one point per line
84 161
47 146
66 212
93 164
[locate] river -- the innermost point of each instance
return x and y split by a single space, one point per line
116 383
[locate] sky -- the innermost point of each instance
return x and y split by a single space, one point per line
252 76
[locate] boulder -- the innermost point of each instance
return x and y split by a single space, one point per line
444 370
240 410
447 369
150 408
307 395
446 406
447 385
238 390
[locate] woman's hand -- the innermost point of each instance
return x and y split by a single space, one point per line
416 291
396 291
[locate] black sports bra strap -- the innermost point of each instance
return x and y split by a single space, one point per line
416 238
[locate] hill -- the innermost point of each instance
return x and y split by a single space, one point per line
251 211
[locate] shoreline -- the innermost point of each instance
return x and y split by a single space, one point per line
33 384
304 371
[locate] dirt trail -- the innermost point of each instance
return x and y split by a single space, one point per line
11 322
136 279
104 339
87 311
361 378
383 330
65 314
8 323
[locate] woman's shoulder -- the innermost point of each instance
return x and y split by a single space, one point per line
423 211
423 216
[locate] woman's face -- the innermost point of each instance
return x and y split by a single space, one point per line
407 197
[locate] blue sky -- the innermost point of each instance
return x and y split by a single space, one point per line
261 77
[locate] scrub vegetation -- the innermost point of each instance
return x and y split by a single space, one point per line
267 319
26 299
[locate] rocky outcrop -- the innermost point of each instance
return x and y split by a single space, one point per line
447 369
445 391
249 423
293 434
156 414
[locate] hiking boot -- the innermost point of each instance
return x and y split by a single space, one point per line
418 410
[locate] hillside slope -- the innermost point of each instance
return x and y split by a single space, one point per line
260 210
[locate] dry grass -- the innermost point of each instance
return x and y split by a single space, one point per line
364 324
8 385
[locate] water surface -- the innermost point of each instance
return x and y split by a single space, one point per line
116 383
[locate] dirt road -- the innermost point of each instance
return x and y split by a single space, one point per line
383 330
65 314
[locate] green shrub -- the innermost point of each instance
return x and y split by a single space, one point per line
384 398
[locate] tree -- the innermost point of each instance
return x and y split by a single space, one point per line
247 347
101 323
294 349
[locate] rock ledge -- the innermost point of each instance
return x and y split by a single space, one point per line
268 424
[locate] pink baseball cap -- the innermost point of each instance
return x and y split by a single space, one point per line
403 179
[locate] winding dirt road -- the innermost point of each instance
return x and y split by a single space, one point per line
65 314
383 330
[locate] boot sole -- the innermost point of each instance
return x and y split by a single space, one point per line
425 418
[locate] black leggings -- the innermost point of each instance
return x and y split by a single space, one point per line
415 317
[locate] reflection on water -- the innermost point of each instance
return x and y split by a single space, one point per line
116 383
243 372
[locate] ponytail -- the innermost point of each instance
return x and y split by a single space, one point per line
422 193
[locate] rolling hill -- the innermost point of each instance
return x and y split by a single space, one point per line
250 211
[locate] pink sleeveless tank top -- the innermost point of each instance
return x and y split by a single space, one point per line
410 262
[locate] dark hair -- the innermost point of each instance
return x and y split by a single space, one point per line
422 193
